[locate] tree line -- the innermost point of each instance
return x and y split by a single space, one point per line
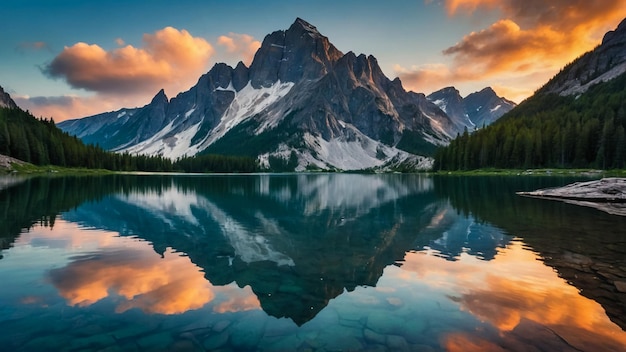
548 130
41 142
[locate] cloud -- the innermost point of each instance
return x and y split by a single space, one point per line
32 46
169 58
66 107
129 76
243 46
532 37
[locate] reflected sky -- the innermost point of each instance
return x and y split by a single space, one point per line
101 265
512 292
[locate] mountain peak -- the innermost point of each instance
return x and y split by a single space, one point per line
6 101
298 53
304 25
488 90
160 97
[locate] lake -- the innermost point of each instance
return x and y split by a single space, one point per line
321 262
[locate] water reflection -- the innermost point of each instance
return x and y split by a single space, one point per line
129 273
288 262
516 294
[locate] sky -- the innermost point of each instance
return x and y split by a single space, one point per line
74 58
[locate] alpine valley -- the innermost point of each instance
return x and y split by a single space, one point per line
302 104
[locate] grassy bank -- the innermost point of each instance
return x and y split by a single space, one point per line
30 169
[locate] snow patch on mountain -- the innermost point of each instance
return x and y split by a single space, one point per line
352 151
176 146
441 104
248 102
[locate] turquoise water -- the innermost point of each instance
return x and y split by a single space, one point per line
321 262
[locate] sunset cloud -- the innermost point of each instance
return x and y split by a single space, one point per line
68 107
169 58
531 37
242 46
129 76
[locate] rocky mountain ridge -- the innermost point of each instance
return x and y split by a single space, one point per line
6 101
476 110
606 62
301 99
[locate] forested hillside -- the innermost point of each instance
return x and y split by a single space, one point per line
40 142
549 130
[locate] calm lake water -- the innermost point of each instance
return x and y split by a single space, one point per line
306 262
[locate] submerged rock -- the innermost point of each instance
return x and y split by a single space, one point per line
607 194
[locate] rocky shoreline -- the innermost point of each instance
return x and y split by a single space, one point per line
6 161
607 194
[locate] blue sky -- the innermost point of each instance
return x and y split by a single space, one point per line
429 44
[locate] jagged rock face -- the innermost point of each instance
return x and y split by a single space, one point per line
604 63
474 111
300 96
299 53
6 101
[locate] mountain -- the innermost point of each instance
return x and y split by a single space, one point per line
302 103
40 142
6 101
604 63
473 111
576 120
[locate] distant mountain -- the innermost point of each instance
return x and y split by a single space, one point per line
605 62
6 101
40 142
474 111
302 102
577 119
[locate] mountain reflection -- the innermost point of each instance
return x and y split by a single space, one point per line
296 241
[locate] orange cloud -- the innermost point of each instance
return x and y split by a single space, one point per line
532 37
67 107
169 58
241 46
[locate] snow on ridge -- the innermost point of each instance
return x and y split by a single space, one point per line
176 146
230 88
496 108
441 104
360 152
121 114
248 102
188 113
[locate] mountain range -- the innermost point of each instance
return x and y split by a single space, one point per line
576 120
476 110
301 102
